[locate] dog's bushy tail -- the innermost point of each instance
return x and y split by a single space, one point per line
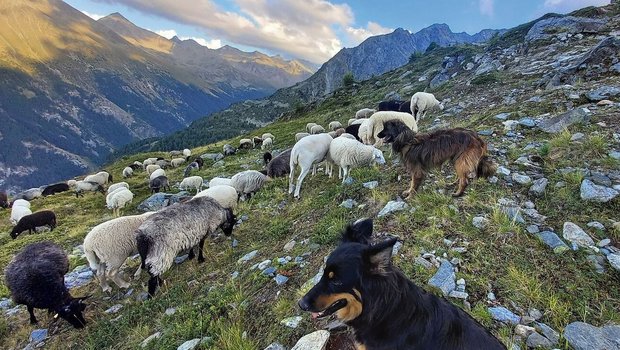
486 167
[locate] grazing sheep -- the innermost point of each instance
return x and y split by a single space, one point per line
348 136
335 125
87 186
317 129
248 182
422 102
4 200
229 150
267 158
363 133
364 113
19 209
187 152
200 162
391 105
151 168
56 188
354 131
257 140
347 154
159 183
192 182
118 199
246 144
175 153
176 162
188 169
176 228
127 172
71 183
35 278
332 134
30 194
267 143
109 244
376 125
135 166
137 163
116 186
225 195
148 162
268 135
405 107
309 126
300 135
280 165
101 178
307 152
216 181
157 173
163 163
32 221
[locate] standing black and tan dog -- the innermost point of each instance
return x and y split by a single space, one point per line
422 152
385 309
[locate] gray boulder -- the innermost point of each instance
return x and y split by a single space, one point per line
548 27
589 191
212 156
161 200
603 93
444 278
583 336
313 341
575 234
558 123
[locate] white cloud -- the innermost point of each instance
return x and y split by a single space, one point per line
487 7
570 5
357 35
93 15
212 44
305 29
167 33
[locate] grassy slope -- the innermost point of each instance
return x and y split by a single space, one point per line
244 313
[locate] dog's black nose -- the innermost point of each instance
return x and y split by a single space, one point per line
303 304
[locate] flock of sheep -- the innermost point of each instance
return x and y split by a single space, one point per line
35 276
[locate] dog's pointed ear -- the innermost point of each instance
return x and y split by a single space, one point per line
378 257
358 232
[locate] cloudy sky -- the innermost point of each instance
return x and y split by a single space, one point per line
316 29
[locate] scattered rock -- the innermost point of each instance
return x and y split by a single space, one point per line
549 27
500 313
485 132
548 332
425 263
603 93
562 121
5 303
503 170
604 103
444 278
190 344
396 248
614 155
291 322
614 260
521 179
280 279
349 203
480 222
114 309
597 225
576 235
577 136
289 246
553 241
583 336
181 259
536 341
218 164
511 209
80 276
527 122
170 311
502 116
538 187
313 341
161 200
596 193
148 339
510 125
532 229
391 207
371 184
38 335
275 346
458 294
249 256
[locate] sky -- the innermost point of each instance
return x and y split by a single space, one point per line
315 30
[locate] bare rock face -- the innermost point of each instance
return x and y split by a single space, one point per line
546 28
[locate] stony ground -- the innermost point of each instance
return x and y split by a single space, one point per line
533 253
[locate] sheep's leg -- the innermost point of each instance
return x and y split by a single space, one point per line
201 245
291 176
339 172
191 254
345 173
103 282
154 282
314 167
138 272
116 278
300 179
33 319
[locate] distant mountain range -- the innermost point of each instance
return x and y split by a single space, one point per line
73 89
373 57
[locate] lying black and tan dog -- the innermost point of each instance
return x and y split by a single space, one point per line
422 152
385 309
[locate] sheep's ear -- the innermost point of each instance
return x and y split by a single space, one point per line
359 232
378 257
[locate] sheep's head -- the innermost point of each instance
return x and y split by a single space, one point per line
72 312
378 156
229 223
14 232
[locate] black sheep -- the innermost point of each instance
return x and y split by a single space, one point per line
34 220
55 188
200 162
280 165
4 200
267 158
354 130
391 105
36 278
159 183
135 166
405 107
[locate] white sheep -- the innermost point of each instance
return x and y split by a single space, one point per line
71 183
20 208
191 182
348 153
101 178
375 125
137 163
176 162
358 121
151 168
157 173
118 199
422 102
351 121
248 182
246 143
363 131
116 186
148 162
335 125
226 195
267 143
268 135
216 181
364 113
109 244
127 172
317 129
306 153
348 136
187 152
309 126
300 135
87 186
